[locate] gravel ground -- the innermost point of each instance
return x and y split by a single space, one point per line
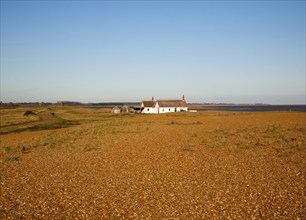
165 171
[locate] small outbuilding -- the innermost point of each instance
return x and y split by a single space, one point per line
116 110
125 109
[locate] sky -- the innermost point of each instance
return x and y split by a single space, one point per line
103 51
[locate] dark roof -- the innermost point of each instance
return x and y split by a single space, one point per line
165 103
172 103
149 103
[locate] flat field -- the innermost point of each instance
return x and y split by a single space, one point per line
84 163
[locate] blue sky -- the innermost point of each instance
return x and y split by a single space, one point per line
99 51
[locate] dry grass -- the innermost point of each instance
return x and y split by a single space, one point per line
15 116
201 165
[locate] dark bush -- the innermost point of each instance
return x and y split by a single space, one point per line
27 113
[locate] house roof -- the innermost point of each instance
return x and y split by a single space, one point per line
172 103
165 103
149 103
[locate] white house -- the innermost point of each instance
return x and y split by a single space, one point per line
116 110
163 106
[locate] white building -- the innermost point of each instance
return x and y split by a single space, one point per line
163 106
116 110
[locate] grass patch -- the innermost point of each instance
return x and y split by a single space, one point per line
59 124
283 152
194 135
300 146
10 117
88 148
185 123
243 145
272 128
13 158
189 148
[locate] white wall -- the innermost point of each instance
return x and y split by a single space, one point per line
156 110
166 110
148 110
184 109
